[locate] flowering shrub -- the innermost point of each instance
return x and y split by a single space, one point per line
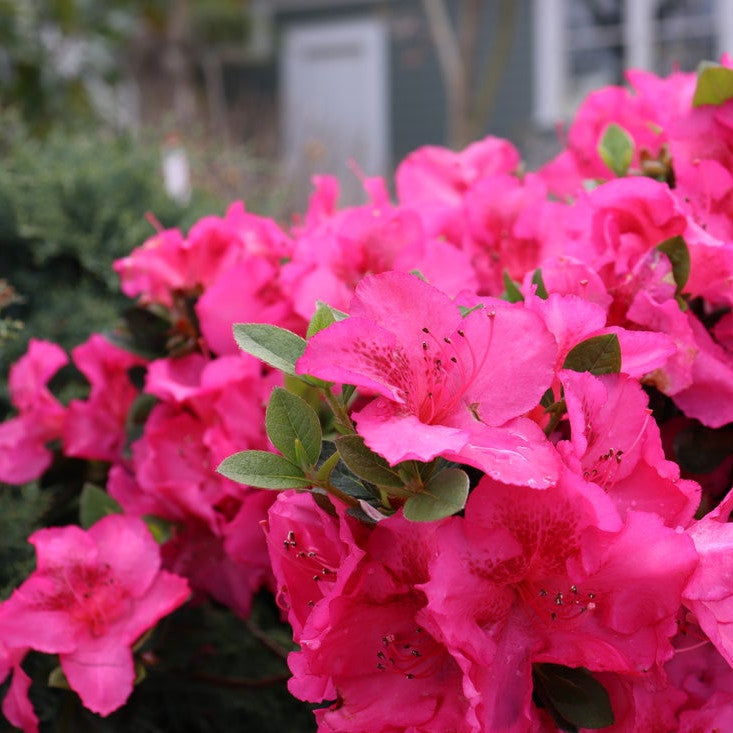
495 412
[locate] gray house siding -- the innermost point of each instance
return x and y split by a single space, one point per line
416 93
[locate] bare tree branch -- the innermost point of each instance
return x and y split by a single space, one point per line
451 66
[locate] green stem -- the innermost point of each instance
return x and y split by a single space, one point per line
339 411
334 491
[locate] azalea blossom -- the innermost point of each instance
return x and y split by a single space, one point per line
92 596
553 576
447 384
24 455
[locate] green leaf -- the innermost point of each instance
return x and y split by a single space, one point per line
57 679
290 418
263 470
94 504
276 346
324 316
465 310
365 463
541 291
679 257
616 148
161 529
511 289
444 494
714 84
597 355
574 693
326 468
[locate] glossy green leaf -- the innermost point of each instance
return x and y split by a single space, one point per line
541 291
365 463
511 289
444 495
597 355
94 504
616 149
679 256
263 470
324 316
276 346
714 84
289 419
574 694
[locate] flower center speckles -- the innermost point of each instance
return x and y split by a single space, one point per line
389 362
605 468
415 655
89 594
450 365
557 604
310 561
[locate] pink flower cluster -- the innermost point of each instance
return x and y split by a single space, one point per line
548 336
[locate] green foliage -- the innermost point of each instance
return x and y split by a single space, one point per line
714 84
276 346
70 206
540 283
597 355
511 293
572 696
324 316
444 494
679 256
94 504
22 510
290 422
616 149
264 470
366 464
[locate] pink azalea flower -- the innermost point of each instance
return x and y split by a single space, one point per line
616 444
571 319
95 428
245 292
504 218
209 409
375 653
570 276
329 260
446 384
709 396
701 673
639 702
433 180
312 553
613 226
229 565
709 594
553 576
23 452
168 262
156 269
17 708
92 595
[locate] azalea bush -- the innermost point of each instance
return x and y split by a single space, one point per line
475 440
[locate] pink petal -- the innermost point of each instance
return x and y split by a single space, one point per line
101 673
400 436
